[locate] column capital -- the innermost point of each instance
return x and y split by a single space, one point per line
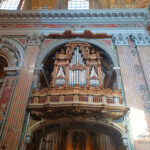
141 39
120 39
35 39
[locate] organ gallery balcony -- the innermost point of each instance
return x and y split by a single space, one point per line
81 84
95 101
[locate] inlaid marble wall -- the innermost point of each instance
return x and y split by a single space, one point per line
134 65
14 124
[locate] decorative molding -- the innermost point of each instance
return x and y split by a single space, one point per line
120 39
57 21
9 56
35 39
141 39
79 96
67 26
16 50
58 43
63 15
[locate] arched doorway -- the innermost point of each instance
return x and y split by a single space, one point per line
76 135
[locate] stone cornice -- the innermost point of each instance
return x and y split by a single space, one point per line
125 15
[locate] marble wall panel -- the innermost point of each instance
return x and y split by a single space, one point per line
135 88
14 124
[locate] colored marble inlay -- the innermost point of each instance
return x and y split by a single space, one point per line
6 96
13 127
22 41
108 42
7 91
47 42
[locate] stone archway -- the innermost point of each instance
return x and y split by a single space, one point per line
12 51
45 52
66 134
11 58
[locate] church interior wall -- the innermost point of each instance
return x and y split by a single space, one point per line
29 39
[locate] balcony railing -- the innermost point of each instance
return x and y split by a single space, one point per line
70 96
99 100
66 99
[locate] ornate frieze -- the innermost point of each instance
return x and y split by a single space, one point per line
86 97
97 21
68 26
73 14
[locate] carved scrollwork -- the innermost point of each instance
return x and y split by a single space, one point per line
120 39
77 67
141 39
35 39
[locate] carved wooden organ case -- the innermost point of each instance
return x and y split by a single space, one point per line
79 65
76 94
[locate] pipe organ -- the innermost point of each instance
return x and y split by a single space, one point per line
74 100
77 69
79 65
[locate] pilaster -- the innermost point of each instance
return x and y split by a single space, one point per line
12 131
133 78
141 39
142 43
